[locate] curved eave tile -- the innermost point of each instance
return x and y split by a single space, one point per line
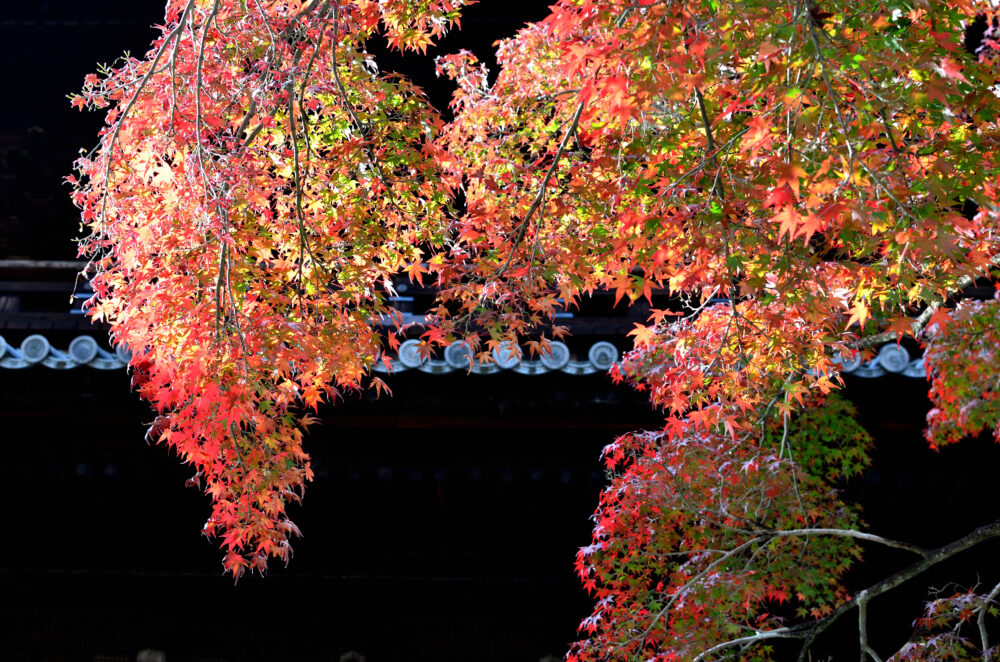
84 351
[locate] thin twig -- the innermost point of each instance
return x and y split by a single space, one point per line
540 195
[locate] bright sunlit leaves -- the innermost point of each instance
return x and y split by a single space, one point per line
791 176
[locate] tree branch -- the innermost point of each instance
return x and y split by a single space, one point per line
921 321
981 622
777 633
540 196
809 633
851 533
174 34
866 649
930 560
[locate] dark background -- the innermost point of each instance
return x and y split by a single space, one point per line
443 522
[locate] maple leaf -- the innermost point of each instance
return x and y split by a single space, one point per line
380 386
950 69
416 271
777 594
615 92
575 58
789 174
703 417
768 50
940 319
788 220
901 326
758 135
859 313
780 196
644 335
809 225
657 315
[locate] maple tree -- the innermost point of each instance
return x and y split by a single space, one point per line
807 181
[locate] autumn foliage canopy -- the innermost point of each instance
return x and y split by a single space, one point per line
806 180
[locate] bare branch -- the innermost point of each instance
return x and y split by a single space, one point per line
809 632
763 635
930 560
850 533
981 622
866 649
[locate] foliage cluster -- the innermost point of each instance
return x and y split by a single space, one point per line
260 183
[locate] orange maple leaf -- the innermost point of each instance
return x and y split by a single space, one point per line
788 219
789 173
859 313
416 272
810 225
644 335
901 327
940 318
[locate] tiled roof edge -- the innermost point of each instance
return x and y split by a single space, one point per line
85 351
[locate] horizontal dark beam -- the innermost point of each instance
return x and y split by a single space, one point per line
42 265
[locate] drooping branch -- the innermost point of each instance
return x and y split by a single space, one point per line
109 148
179 170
